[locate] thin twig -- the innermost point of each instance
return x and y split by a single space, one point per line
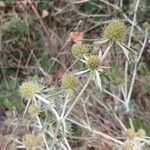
129 44
48 32
96 132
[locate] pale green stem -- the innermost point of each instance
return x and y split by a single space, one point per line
59 124
68 112
26 109
41 126
71 65
131 123
78 97
106 51
51 107
129 44
96 132
114 96
135 69
68 146
120 122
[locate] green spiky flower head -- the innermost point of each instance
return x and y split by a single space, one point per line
115 31
31 141
131 134
141 133
128 146
33 111
78 50
29 89
93 62
69 82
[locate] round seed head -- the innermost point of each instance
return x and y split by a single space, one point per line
94 62
128 146
29 89
31 141
141 133
69 82
33 111
131 134
78 50
115 31
146 25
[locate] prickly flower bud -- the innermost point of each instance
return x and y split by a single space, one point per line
31 141
93 62
128 146
29 89
131 134
115 31
33 111
78 50
69 82
141 133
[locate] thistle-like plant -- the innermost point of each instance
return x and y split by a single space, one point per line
69 83
136 140
33 111
31 141
28 90
94 67
54 134
79 50
115 32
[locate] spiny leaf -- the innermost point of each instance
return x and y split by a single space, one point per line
126 52
129 49
100 41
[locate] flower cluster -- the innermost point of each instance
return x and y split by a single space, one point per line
93 62
79 50
135 140
69 82
33 111
93 67
31 141
28 90
115 31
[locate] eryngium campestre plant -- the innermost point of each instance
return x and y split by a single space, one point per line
141 133
28 90
78 50
33 111
93 62
69 82
31 141
115 31
131 134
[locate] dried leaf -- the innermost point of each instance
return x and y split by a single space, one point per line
76 36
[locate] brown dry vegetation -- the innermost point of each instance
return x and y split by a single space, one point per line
35 43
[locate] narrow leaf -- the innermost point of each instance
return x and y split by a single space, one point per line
126 52
129 49
82 72
98 81
101 41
